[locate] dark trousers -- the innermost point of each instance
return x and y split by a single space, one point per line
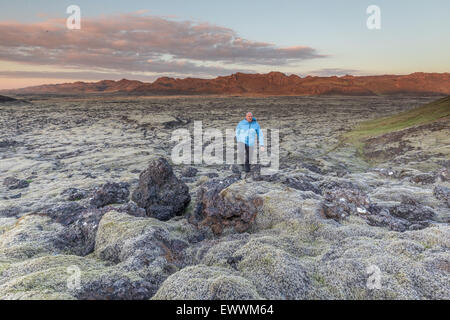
245 153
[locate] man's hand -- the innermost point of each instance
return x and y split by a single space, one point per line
262 149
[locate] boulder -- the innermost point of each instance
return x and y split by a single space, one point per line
412 210
138 242
340 203
160 192
424 178
53 278
217 212
31 236
110 193
12 183
409 214
238 206
74 194
79 236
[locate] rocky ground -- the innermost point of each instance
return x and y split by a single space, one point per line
87 188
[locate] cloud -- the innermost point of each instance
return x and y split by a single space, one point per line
325 72
136 42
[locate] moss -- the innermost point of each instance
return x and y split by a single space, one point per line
431 112
401 278
3 267
116 226
305 231
429 243
319 280
419 116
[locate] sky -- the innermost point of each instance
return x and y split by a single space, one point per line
144 40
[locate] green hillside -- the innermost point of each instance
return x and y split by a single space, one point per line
428 113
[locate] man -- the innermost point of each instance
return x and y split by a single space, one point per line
246 132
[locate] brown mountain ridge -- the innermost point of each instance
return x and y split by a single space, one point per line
272 83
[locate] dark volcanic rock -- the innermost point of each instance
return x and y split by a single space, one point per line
381 217
74 194
217 211
442 193
63 213
331 185
160 192
117 287
13 183
7 143
303 184
189 172
340 203
79 236
412 210
424 178
132 209
109 193
408 215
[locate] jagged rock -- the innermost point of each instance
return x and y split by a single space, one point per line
137 242
333 184
7 143
302 183
160 192
132 209
408 215
12 183
117 286
412 210
189 172
64 213
237 205
442 193
340 203
132 257
424 178
381 217
144 245
109 193
74 194
214 211
80 234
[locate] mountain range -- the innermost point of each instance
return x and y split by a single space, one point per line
272 83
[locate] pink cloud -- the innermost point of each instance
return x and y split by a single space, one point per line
138 42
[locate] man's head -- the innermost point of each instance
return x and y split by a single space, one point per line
249 117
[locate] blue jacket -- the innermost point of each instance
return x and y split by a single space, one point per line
246 132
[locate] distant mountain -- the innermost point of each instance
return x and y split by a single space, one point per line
6 99
273 83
